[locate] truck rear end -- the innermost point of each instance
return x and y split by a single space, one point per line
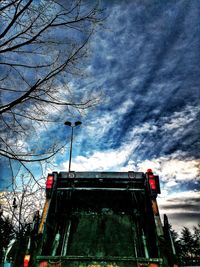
95 219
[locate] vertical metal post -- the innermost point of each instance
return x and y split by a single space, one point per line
146 253
70 155
68 123
66 239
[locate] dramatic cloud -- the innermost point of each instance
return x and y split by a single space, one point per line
144 65
103 160
181 207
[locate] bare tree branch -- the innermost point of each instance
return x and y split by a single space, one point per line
19 100
42 46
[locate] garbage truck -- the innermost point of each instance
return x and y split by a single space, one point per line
100 219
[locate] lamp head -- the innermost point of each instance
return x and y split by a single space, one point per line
78 123
68 123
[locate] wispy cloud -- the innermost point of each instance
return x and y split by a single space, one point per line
182 208
103 160
181 119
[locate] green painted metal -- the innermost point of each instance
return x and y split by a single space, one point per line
93 258
101 219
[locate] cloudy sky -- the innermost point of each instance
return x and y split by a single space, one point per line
144 67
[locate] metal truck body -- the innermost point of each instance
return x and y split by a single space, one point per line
95 219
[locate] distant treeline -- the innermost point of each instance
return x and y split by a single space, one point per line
187 245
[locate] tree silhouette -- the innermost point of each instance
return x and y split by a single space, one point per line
187 242
196 238
187 246
6 234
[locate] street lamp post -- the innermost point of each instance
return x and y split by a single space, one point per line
68 123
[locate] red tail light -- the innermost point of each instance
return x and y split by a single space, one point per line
49 182
147 265
153 265
44 264
152 182
26 260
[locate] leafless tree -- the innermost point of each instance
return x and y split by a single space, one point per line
19 207
20 203
42 44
